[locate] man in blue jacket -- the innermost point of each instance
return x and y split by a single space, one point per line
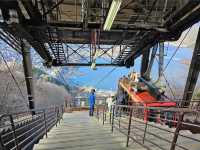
92 102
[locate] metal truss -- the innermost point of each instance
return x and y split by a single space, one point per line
70 33
83 55
59 30
10 40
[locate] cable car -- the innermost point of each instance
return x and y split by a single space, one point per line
134 90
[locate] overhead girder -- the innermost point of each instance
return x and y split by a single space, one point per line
6 6
78 26
155 22
10 40
180 20
49 2
86 64
193 74
20 30
83 37
184 17
33 11
145 44
38 44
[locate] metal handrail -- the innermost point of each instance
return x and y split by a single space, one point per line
130 114
22 132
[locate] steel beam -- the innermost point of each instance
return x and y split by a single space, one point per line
145 62
27 64
35 39
176 23
81 37
149 26
120 28
184 17
33 12
85 64
161 59
11 41
52 8
193 74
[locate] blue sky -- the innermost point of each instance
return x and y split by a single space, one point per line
175 72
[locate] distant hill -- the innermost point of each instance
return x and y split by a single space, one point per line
14 57
39 73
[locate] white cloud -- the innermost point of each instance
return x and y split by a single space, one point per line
189 41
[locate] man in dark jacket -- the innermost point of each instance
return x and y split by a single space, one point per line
92 102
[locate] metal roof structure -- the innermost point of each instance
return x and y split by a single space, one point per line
70 32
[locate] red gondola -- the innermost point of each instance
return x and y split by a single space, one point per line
147 97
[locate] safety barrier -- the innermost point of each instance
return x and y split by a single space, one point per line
170 125
20 131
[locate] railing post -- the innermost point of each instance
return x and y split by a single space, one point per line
176 133
120 111
14 132
63 108
56 116
95 110
98 112
113 115
110 113
1 142
146 120
103 114
129 126
45 122
1 139
145 132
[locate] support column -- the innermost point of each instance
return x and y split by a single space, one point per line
193 74
145 62
153 55
27 65
161 59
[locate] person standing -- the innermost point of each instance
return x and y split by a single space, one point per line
92 102
110 102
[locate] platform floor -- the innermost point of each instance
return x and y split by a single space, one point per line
78 131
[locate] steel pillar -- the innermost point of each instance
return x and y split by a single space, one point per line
153 55
27 65
161 59
145 62
193 74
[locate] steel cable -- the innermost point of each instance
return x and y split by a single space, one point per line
102 79
176 49
12 75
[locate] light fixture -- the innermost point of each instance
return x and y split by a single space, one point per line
93 66
114 8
